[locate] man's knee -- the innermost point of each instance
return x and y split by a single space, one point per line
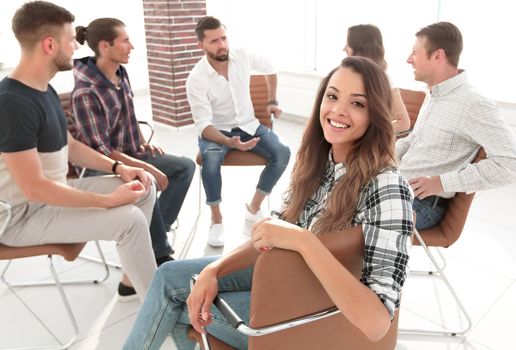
151 193
128 220
189 168
284 153
212 158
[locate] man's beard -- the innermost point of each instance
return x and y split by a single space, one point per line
220 58
63 63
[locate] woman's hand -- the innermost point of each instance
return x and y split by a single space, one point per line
201 298
276 233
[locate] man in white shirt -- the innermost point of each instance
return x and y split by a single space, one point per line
219 96
454 123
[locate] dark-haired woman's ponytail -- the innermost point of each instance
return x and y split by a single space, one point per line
80 34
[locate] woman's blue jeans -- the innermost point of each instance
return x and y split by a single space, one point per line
269 147
164 311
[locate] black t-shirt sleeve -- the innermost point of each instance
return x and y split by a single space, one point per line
19 125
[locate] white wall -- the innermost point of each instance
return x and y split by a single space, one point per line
305 39
308 35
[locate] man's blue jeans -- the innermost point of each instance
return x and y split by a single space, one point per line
164 311
269 147
180 171
160 245
427 215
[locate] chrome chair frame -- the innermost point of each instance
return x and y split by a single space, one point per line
237 323
56 282
438 273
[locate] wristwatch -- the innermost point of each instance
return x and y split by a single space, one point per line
115 165
272 102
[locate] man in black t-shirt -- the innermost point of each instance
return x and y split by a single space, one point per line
36 147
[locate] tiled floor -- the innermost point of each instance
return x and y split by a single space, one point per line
481 265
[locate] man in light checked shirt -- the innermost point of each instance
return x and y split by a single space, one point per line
455 121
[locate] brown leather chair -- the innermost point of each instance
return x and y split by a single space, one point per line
284 288
443 235
68 251
413 101
449 229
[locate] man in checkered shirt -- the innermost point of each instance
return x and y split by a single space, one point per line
454 123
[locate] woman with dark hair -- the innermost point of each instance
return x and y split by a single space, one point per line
344 176
366 40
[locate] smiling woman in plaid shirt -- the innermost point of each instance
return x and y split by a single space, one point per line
344 176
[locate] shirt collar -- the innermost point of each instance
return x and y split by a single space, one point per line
445 87
339 169
120 72
209 68
211 71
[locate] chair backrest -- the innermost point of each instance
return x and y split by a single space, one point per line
66 104
413 101
285 288
259 96
449 229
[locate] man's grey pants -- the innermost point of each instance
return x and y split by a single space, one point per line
128 225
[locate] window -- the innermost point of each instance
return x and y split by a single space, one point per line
308 35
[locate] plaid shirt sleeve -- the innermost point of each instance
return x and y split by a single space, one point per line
92 128
385 213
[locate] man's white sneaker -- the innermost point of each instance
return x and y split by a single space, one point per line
253 217
216 235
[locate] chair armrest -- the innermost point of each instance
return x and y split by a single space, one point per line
151 128
236 322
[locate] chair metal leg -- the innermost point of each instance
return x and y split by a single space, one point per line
440 274
101 260
432 272
64 299
199 204
193 230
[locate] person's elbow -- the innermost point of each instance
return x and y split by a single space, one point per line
378 328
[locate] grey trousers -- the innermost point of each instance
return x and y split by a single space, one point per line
128 225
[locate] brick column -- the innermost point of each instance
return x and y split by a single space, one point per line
171 54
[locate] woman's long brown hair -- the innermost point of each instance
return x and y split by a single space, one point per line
366 40
372 153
